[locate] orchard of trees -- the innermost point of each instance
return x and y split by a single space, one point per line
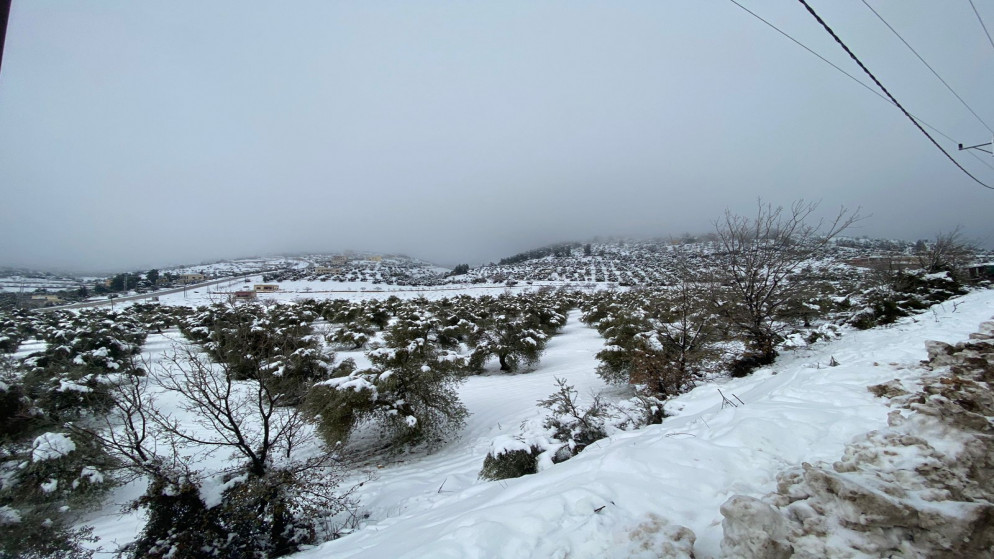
246 428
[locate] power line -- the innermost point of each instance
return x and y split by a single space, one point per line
4 16
884 89
986 32
848 75
927 65
805 47
981 159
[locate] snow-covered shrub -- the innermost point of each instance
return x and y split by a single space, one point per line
515 329
47 482
273 515
17 410
507 463
34 534
177 524
567 430
48 475
410 392
276 345
15 326
574 426
903 294
619 331
351 336
67 394
85 356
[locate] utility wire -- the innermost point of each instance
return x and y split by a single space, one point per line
986 32
927 65
805 47
980 159
884 89
850 76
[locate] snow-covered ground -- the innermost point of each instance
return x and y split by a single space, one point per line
632 488
290 291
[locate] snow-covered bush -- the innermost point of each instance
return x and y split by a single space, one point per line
512 330
276 345
568 429
48 475
410 392
570 424
47 482
351 336
903 294
15 326
507 463
178 524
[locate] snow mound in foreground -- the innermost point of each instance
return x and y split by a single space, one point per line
922 487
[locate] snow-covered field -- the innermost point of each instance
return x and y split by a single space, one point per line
622 496
290 291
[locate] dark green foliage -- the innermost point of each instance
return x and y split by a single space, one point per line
258 517
904 294
510 464
47 488
16 325
37 536
274 344
661 340
620 334
50 476
124 282
560 250
338 409
354 335
72 377
515 330
410 392
179 524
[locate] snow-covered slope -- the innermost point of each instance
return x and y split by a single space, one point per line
625 496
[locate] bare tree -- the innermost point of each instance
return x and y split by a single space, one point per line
245 417
949 252
274 493
759 258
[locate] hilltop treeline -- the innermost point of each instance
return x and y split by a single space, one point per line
561 250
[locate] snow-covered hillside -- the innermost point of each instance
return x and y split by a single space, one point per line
627 495
622 497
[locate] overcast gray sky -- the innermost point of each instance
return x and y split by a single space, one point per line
137 134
